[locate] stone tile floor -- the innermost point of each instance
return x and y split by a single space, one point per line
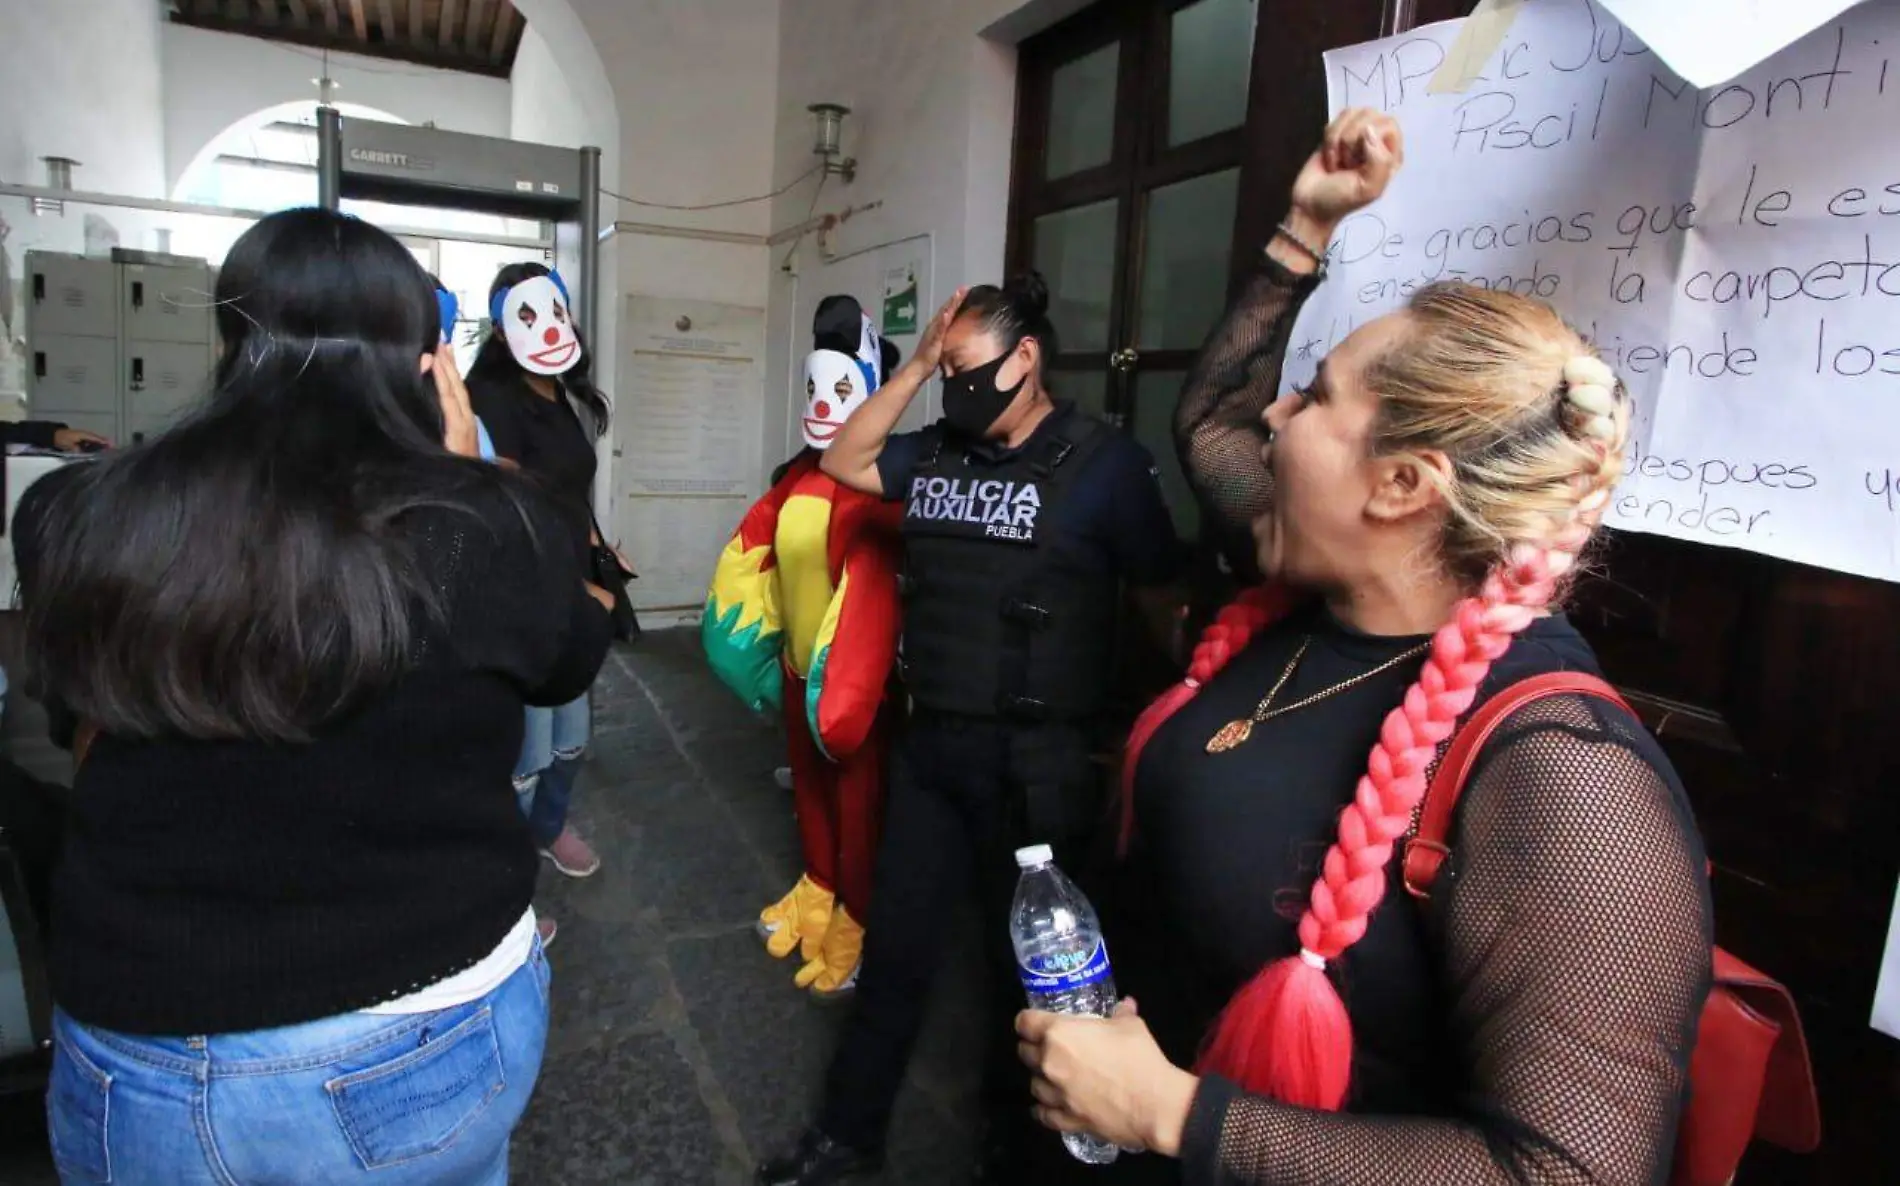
681 1054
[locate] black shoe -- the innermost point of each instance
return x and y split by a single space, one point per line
819 1161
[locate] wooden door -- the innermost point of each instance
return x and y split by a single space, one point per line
1130 148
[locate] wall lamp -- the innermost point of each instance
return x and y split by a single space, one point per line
830 120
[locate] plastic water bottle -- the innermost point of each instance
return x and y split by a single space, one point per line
1062 959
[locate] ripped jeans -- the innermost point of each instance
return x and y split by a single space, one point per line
551 751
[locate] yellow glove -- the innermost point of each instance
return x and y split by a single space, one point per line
835 971
798 921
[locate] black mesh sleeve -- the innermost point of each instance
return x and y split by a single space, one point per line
1217 426
1575 933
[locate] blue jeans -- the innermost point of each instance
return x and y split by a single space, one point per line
399 1101
550 762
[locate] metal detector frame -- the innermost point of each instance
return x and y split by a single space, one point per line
400 163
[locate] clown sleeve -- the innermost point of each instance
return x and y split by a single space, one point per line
857 641
742 628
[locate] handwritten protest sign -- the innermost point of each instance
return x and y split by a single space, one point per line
1735 252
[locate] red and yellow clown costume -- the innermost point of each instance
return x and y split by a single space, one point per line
804 615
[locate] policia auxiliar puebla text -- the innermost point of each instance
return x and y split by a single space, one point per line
995 509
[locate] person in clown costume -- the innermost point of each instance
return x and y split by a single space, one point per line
803 616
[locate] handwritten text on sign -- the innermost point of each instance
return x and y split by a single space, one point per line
1735 253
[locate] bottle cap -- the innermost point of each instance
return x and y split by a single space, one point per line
1034 855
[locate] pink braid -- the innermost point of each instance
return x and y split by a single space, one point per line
1287 1034
1253 611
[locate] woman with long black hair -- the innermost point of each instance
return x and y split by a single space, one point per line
293 910
532 386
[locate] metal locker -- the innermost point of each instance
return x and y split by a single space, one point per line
166 304
71 296
141 426
72 374
161 378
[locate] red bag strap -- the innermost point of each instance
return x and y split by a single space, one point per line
1427 849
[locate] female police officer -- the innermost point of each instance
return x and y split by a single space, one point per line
1023 517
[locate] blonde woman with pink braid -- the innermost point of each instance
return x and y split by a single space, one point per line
1417 515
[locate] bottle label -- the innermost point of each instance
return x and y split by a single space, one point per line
1066 971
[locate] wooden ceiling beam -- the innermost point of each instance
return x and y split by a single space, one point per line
476 35
503 40
445 35
330 22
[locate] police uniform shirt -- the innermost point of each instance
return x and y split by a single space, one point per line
1114 517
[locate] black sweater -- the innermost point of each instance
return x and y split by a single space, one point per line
213 887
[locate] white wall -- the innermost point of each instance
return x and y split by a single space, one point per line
694 83
545 106
101 107
932 88
69 89
213 80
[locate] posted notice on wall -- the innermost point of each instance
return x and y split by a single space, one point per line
693 375
686 435
1735 253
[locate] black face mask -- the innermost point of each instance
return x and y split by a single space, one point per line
972 401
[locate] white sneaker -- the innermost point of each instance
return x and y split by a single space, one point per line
783 777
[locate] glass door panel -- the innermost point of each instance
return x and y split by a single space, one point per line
1156 393
1075 252
1186 253
1210 62
1088 389
1082 113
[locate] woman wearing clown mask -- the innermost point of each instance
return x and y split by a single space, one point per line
531 387
803 613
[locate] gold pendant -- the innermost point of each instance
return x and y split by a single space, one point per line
1232 736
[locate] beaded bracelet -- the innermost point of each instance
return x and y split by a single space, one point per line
1318 257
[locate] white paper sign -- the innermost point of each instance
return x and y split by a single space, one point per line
1734 252
1709 42
1887 991
687 429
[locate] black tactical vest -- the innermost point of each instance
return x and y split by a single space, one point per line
1003 616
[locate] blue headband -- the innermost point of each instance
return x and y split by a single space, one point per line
495 302
449 307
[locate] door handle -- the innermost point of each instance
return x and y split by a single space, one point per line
138 374
1125 359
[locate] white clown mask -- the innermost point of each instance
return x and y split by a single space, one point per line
539 326
836 385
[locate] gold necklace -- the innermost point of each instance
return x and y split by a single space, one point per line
1234 734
